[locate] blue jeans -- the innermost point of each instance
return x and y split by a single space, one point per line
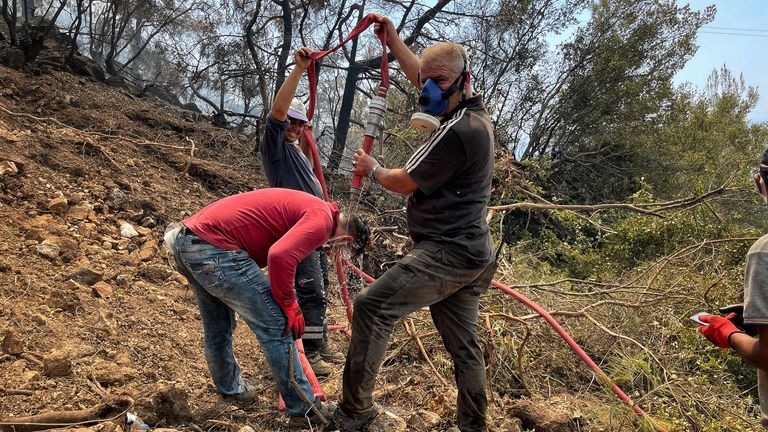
225 282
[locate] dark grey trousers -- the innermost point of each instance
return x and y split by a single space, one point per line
311 284
420 279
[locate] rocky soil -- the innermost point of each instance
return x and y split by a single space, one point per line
90 305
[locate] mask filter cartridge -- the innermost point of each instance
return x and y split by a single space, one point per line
424 122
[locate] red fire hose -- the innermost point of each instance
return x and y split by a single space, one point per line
378 106
376 110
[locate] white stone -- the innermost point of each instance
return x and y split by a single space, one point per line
127 230
48 249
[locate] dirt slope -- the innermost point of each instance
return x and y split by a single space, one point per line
86 312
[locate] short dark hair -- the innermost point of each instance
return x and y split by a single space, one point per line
361 234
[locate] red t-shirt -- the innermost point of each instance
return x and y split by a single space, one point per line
277 227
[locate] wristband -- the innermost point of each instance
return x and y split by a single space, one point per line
372 173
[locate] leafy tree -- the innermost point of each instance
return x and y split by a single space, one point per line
615 75
704 139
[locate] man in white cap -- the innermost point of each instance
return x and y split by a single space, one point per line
287 163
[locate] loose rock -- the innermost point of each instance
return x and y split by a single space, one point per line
86 276
387 422
11 343
117 198
423 420
127 230
108 373
148 222
102 289
105 320
48 249
65 300
8 167
58 205
57 364
80 211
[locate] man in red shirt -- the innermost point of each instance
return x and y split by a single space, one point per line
221 250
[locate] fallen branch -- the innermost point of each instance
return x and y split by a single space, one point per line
651 209
111 409
14 392
575 207
30 357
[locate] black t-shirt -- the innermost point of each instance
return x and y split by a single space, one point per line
284 163
453 171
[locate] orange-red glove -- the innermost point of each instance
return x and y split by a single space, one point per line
295 320
719 329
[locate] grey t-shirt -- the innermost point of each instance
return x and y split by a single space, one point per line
453 170
284 163
756 307
756 283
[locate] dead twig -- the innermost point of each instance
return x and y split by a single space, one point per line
491 356
320 418
94 384
14 392
30 357
191 156
412 333
651 209
520 348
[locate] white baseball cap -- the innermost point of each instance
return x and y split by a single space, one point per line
297 110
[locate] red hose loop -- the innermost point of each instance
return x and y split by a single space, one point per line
317 55
366 277
574 346
343 284
558 328
317 166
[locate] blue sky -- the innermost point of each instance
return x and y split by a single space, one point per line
734 38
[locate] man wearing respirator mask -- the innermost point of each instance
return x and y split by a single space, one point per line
448 183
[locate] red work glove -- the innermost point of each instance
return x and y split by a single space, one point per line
718 329
295 320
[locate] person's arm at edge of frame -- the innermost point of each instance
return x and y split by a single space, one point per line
408 61
288 89
753 350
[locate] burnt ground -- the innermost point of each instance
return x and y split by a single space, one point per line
86 313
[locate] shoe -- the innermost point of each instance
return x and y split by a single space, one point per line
319 366
331 356
312 421
340 422
246 397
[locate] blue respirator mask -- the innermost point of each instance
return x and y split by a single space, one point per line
433 101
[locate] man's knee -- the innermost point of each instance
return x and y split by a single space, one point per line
363 304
